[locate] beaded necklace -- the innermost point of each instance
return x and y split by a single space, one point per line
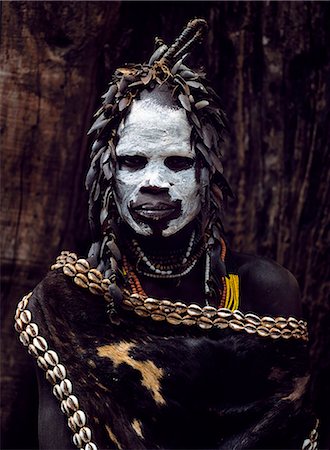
159 272
170 266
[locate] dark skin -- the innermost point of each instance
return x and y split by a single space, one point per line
263 287
266 288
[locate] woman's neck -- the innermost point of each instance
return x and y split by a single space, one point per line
159 245
182 272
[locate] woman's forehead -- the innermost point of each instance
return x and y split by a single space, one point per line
154 128
152 114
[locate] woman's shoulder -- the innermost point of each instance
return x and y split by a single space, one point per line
266 287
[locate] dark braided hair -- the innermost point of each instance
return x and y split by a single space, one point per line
189 90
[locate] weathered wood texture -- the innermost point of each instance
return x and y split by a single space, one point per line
270 63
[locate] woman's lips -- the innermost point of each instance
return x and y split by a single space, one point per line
155 211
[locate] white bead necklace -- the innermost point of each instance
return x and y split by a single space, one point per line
160 273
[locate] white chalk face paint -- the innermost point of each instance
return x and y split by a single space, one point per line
156 186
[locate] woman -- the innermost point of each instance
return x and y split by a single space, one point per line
163 337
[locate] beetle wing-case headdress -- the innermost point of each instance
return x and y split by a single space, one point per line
190 90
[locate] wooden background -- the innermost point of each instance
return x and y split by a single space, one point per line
270 63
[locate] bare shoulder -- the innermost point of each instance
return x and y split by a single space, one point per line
265 286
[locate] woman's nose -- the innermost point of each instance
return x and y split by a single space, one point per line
155 179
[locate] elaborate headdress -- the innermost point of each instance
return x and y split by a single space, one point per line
190 90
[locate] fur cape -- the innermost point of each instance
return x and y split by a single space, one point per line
147 385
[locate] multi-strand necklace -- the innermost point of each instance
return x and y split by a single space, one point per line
174 265
169 266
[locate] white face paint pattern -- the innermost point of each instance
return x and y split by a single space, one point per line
155 135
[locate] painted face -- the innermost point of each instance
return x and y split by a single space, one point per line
156 188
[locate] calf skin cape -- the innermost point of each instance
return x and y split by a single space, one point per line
147 385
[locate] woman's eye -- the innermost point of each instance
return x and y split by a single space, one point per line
132 162
178 163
